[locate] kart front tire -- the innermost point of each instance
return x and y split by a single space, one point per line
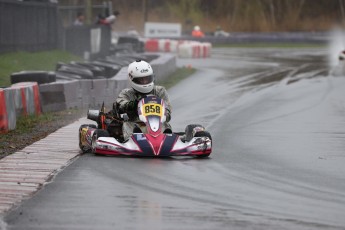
98 133
189 131
83 148
203 134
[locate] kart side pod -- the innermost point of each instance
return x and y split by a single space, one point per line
93 114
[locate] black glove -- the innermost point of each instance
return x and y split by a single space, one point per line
132 106
167 114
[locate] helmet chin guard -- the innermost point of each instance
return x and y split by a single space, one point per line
143 88
141 76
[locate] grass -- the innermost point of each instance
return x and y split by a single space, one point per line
177 76
19 61
26 123
270 45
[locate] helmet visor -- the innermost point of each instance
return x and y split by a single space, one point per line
143 80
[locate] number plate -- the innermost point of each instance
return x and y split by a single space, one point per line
152 109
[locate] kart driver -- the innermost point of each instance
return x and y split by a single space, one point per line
141 79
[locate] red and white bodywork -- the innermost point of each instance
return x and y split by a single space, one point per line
151 140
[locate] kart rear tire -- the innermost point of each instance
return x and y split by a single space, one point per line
189 131
203 134
98 133
83 148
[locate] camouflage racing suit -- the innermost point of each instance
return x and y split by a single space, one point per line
128 96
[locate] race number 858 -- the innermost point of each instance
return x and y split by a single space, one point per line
152 109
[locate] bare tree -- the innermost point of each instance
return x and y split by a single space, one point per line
342 10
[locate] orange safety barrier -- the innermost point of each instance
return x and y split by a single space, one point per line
184 49
24 106
203 50
29 101
37 99
167 46
196 50
152 45
206 48
3 112
164 45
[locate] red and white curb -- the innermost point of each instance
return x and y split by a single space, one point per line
26 171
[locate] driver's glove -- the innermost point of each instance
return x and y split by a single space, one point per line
168 116
132 106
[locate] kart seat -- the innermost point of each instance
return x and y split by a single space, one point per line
168 131
137 130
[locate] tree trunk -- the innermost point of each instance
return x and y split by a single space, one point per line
342 10
273 19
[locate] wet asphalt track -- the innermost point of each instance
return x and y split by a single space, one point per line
278 160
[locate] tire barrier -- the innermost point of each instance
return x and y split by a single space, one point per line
99 69
20 99
4 115
84 73
109 68
40 77
96 70
26 98
167 45
152 45
194 50
183 49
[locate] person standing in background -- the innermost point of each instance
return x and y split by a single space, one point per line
108 20
79 21
197 32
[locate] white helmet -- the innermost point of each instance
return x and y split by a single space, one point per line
141 76
196 27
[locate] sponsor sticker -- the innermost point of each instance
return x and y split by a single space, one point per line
141 137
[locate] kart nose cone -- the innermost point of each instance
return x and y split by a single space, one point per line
154 125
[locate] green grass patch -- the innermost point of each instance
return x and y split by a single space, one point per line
177 76
26 123
19 61
270 45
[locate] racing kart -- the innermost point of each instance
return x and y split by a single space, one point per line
148 138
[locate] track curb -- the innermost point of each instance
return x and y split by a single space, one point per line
27 171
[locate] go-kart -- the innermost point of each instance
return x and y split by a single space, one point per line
107 139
